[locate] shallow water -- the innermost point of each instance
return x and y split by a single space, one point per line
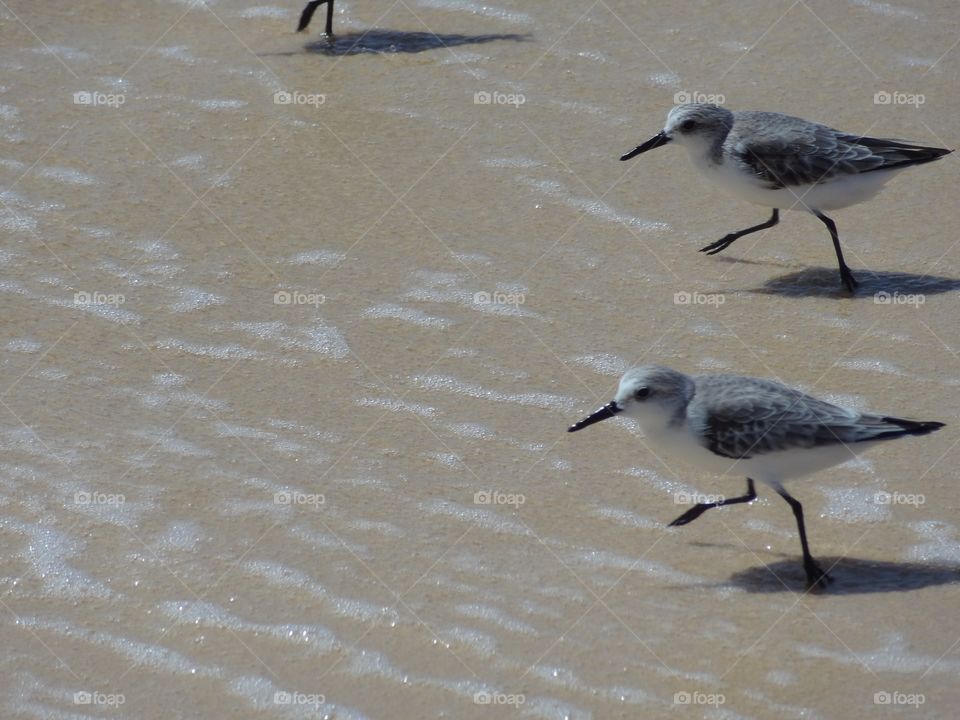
294 330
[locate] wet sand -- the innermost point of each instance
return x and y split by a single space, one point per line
287 376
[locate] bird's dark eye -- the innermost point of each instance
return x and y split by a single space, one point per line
688 126
641 393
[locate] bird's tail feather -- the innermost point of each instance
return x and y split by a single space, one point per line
910 427
900 154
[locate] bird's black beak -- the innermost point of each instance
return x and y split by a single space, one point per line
656 141
604 413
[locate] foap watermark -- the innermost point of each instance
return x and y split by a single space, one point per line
898 298
898 98
295 497
495 497
83 697
484 697
315 700
698 698
885 697
898 498
683 97
83 297
498 298
86 497
98 99
698 298
295 297
484 97
694 498
283 97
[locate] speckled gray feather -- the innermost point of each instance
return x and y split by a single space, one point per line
786 151
741 417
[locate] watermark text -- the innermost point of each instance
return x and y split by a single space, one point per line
885 697
498 298
898 98
295 497
497 698
898 298
693 498
495 497
684 97
282 697
83 297
698 698
898 498
98 99
498 98
82 697
295 297
698 298
283 97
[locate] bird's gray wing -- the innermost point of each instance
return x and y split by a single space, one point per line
743 417
784 151
791 162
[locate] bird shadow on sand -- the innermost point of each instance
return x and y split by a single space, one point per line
851 576
875 285
380 42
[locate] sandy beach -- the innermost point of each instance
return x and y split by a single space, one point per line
293 330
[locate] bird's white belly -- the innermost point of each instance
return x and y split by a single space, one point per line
680 444
833 194
772 467
776 467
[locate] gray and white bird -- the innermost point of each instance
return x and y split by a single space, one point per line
755 427
785 162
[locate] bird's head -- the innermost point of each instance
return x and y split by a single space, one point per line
654 395
697 126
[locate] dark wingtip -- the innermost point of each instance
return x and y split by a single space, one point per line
940 152
914 427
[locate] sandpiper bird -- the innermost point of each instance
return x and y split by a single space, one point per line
785 162
761 428
308 12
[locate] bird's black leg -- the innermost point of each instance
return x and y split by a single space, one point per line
727 240
846 277
816 577
307 15
700 508
329 27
